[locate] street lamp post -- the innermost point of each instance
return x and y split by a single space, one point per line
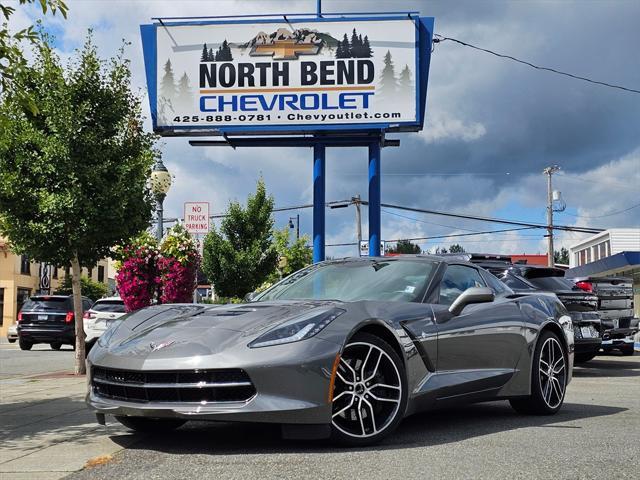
160 183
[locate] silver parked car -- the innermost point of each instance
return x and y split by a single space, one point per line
12 333
343 348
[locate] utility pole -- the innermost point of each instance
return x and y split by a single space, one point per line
356 201
549 171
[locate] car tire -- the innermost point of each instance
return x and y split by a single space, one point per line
24 345
371 373
584 357
11 340
151 425
627 350
55 345
548 379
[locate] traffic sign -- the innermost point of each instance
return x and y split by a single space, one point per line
196 217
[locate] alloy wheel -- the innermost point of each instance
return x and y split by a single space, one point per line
368 391
553 372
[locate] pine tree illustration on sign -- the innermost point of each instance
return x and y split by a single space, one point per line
388 82
223 54
356 48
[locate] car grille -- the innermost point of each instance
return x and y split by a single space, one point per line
177 386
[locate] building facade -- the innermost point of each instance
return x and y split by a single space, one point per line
20 278
614 252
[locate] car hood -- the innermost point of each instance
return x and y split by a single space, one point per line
201 329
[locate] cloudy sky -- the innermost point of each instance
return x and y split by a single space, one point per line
491 125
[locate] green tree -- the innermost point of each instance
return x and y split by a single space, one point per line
292 256
405 246
561 256
90 289
73 177
12 60
239 257
456 248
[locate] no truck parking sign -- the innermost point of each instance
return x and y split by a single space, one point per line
196 217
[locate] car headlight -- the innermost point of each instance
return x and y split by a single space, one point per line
298 328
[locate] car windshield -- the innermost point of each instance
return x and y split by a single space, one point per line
386 280
553 283
45 304
113 306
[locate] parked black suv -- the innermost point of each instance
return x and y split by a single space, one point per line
582 306
48 319
615 305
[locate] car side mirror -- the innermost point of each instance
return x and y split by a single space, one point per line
250 296
469 296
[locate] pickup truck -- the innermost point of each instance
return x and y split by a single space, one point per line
615 306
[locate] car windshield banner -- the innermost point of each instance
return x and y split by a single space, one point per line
248 76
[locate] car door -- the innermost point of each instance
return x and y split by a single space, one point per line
479 349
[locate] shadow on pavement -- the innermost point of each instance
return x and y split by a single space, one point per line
38 424
606 366
425 429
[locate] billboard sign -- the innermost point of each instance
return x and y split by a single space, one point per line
196 217
274 76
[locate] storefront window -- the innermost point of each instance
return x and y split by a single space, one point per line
23 296
25 265
101 273
1 306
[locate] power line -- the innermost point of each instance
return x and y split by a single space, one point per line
602 216
537 67
347 244
428 223
490 219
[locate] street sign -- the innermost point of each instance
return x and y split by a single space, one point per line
45 281
364 248
196 217
285 75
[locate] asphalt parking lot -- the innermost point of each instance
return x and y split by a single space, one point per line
596 434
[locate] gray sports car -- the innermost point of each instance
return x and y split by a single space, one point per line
343 348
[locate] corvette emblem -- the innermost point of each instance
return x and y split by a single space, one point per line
157 346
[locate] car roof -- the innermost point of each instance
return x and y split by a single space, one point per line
413 256
55 297
110 299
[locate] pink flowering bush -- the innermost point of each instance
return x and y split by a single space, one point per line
137 278
178 266
145 270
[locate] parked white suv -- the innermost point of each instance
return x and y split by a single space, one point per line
100 316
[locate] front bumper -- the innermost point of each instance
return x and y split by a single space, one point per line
291 383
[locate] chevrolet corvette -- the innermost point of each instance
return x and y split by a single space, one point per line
343 349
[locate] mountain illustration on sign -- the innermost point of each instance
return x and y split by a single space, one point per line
284 44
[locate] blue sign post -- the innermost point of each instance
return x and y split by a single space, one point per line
297 80
319 188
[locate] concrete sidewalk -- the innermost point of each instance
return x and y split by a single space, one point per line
46 431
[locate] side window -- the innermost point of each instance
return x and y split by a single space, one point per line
86 305
456 280
496 285
514 282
